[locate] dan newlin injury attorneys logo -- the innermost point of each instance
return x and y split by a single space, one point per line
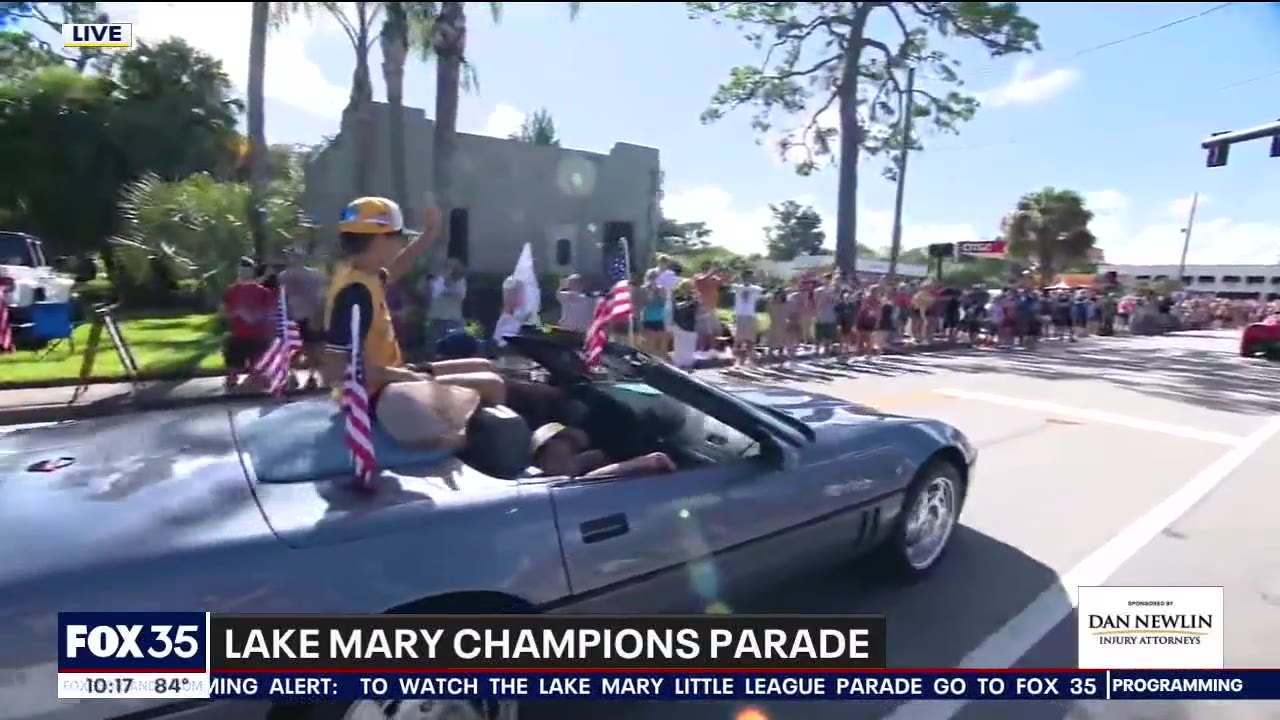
1150 627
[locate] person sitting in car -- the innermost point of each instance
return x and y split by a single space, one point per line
562 450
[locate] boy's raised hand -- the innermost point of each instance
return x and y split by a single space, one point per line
432 217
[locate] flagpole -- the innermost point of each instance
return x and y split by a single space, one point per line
626 266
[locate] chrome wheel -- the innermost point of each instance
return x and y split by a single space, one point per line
430 710
929 522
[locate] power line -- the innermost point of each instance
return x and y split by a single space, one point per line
1120 41
1128 38
1154 30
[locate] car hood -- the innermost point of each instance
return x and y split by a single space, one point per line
829 417
90 493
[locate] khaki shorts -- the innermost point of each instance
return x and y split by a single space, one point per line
707 323
744 329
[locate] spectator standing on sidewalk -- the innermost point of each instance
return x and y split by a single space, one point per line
304 289
746 301
576 307
247 308
448 292
707 284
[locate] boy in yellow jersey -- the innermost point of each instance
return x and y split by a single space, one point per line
376 249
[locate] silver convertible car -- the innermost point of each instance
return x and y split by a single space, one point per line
249 508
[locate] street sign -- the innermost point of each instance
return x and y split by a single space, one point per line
982 248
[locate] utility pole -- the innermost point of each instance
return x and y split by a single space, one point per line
1186 236
895 247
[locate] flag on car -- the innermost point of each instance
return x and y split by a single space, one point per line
358 429
275 362
615 306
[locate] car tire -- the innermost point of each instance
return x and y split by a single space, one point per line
904 555
1247 350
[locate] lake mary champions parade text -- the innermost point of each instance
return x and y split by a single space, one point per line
408 643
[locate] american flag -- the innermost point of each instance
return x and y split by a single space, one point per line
615 306
358 430
275 361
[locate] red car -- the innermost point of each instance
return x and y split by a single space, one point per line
1261 337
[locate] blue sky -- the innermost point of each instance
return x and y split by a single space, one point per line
1121 124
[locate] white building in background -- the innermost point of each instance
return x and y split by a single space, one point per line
804 263
1240 281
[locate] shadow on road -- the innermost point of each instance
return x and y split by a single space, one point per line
1211 378
1207 378
980 585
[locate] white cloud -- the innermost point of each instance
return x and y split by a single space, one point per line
222 30
741 229
1026 87
1214 240
503 121
1106 201
1181 207
736 228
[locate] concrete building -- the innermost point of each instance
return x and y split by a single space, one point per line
1236 281
568 203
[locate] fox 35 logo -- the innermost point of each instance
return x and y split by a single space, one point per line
139 641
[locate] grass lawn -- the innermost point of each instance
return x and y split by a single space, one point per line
178 345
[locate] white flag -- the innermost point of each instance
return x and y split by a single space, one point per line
531 305
524 309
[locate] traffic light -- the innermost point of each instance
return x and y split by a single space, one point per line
1218 155
1275 146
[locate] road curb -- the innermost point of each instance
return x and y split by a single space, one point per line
61 412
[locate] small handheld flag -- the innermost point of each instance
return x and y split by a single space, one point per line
275 362
615 306
358 430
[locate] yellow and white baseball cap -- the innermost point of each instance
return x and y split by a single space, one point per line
373 216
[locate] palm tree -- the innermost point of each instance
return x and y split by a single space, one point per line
448 44
537 129
404 25
257 126
357 21
1048 226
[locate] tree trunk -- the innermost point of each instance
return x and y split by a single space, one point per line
850 149
257 154
394 54
449 38
360 107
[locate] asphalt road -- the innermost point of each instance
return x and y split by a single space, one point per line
1088 451
1121 461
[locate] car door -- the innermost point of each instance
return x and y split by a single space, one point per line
695 540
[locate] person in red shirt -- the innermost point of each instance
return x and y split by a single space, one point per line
248 308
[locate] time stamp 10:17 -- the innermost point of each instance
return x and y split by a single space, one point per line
123 685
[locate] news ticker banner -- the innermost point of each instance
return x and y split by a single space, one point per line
314 658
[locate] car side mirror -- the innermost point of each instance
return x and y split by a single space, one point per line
784 457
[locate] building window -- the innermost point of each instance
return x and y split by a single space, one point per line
1275 281
564 252
1142 278
1206 279
1187 279
1160 278
1230 278
1255 280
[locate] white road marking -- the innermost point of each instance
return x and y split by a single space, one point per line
1020 634
1098 416
5 429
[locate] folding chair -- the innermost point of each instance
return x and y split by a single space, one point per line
51 324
